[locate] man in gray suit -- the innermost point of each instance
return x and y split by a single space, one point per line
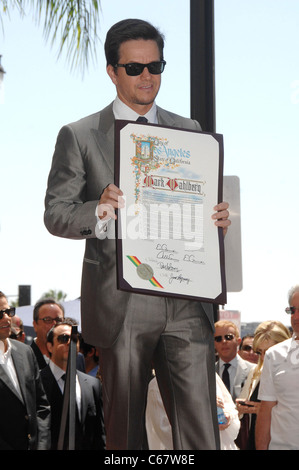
231 367
134 332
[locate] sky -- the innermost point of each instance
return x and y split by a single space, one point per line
257 111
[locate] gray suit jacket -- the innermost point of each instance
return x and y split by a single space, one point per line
82 166
25 420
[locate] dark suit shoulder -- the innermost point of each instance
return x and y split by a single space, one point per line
46 371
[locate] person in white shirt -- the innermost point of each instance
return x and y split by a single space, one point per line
277 426
158 428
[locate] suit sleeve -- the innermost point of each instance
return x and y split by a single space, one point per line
43 412
69 213
101 438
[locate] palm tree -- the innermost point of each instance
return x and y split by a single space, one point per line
57 295
73 22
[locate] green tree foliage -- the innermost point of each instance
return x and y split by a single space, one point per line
57 295
72 23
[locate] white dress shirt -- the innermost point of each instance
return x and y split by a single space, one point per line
122 111
7 363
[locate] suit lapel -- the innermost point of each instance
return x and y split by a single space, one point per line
104 136
164 119
19 367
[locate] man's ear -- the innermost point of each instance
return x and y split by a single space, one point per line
49 347
111 72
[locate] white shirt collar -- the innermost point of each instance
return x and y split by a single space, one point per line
122 111
233 362
4 355
56 371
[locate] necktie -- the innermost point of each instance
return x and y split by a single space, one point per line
142 119
225 376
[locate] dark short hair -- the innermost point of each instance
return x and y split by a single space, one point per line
245 337
41 302
67 321
127 30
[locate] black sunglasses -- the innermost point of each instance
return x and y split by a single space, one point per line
65 338
134 68
228 337
9 311
291 310
49 320
247 348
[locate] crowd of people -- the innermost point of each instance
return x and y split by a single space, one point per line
256 378
32 381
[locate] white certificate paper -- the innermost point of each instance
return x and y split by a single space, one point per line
167 243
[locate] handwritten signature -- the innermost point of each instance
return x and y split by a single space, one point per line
165 253
192 259
179 279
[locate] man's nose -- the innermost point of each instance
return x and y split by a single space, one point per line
145 73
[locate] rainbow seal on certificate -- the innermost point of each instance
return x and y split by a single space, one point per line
144 271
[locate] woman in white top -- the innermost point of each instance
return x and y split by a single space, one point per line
158 427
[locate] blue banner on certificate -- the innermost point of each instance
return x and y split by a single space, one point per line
167 242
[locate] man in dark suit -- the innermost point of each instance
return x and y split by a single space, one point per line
46 312
24 409
90 432
133 332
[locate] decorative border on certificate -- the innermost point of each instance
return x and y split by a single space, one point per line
167 242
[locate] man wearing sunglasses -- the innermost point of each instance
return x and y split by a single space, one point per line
90 433
246 350
46 313
133 332
24 409
230 366
277 426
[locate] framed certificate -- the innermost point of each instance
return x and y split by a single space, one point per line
167 242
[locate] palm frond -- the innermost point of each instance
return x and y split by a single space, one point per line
72 23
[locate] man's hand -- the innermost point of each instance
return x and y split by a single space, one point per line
222 216
111 199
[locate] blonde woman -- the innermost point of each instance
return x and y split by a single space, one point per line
266 335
